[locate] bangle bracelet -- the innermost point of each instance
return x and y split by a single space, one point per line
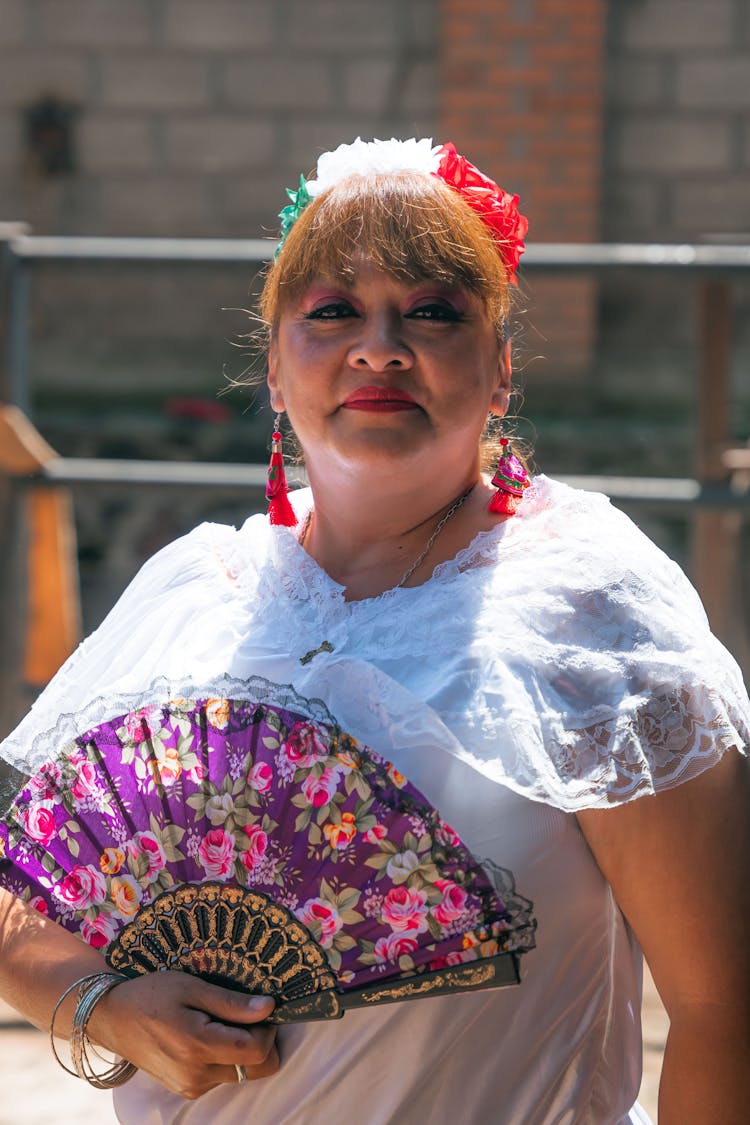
90 989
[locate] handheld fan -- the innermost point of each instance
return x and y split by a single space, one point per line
264 850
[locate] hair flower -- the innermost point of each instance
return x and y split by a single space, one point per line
289 214
497 208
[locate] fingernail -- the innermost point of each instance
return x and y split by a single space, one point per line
260 1003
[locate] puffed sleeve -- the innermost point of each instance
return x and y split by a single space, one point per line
601 680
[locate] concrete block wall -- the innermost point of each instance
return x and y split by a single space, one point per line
676 169
192 117
678 104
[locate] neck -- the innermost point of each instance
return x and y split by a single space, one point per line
367 536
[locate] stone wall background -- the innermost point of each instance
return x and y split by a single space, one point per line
676 169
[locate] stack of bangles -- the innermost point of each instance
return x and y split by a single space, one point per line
91 989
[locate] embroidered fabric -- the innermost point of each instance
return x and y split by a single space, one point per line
560 653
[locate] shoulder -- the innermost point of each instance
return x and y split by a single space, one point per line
593 556
597 645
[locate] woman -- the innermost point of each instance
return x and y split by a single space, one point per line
545 676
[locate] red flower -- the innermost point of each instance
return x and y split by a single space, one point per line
496 207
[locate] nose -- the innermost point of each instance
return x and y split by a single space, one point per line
380 346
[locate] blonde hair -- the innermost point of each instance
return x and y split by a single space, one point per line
410 225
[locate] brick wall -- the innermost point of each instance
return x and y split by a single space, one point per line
521 92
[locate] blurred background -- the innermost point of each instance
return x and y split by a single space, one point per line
616 121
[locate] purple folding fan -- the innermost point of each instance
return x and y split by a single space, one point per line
263 850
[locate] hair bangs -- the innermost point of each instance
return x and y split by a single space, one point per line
407 224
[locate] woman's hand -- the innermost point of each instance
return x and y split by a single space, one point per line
185 1033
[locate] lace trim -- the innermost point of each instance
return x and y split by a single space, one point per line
102 708
655 747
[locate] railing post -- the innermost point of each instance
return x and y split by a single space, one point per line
9 326
12 524
715 535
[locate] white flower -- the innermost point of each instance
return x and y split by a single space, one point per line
365 157
219 808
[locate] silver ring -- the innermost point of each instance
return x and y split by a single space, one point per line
241 1072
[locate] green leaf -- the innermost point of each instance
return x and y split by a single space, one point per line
334 959
302 821
172 834
410 842
429 872
270 742
165 880
351 917
347 898
73 847
243 817
434 927
323 814
315 836
425 843
48 863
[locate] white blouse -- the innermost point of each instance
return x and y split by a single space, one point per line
560 662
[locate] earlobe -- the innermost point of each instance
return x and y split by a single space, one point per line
501 394
272 380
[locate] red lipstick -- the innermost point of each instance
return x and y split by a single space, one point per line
380 400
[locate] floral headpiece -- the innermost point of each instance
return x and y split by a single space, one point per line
497 209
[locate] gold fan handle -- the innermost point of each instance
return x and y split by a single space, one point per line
489 972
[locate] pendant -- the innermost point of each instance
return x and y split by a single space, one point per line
326 646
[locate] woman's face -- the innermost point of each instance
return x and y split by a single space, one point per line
387 369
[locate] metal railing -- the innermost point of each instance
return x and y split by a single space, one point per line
717 499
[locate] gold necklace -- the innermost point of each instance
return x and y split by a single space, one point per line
326 646
453 508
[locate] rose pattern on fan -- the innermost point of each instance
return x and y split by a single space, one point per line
216 854
257 847
111 860
146 855
341 835
126 896
405 910
39 821
85 783
311 818
84 886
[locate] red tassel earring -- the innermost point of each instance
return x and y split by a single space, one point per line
511 481
280 511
